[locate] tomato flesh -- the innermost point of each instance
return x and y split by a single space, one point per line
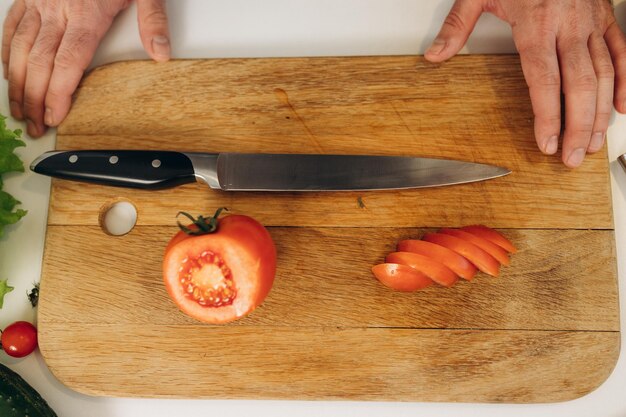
221 276
207 280
436 271
481 259
488 246
457 263
491 235
19 339
401 277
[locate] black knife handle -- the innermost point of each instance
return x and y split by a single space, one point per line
136 169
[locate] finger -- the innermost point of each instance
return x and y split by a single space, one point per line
616 42
540 66
455 30
21 44
40 65
580 87
13 18
601 59
75 52
153 29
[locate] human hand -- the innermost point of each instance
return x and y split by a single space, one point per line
574 46
47 45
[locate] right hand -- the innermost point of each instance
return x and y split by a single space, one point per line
573 46
47 46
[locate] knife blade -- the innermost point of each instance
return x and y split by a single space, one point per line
149 169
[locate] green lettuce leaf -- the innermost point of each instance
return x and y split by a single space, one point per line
9 140
7 213
9 162
5 288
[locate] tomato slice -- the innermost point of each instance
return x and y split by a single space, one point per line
458 264
491 235
401 277
436 271
221 276
488 246
483 261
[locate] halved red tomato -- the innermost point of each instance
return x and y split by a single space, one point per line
490 234
222 275
436 271
458 264
401 277
486 245
483 261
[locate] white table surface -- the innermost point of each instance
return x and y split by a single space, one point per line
250 28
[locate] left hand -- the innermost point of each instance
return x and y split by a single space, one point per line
47 46
574 46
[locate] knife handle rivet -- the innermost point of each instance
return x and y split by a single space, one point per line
156 163
113 160
73 158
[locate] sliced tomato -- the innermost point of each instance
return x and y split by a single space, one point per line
435 270
488 246
224 275
401 277
481 259
491 235
458 264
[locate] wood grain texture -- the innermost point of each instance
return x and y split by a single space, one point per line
546 330
313 363
324 279
472 108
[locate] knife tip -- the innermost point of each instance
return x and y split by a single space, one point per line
500 172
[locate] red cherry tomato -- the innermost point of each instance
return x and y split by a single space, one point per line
19 339
220 276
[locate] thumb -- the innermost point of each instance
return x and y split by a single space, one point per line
153 30
457 27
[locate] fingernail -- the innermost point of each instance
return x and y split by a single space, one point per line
161 47
16 110
597 141
48 118
552 144
576 157
31 128
437 46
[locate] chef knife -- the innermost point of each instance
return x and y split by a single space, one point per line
150 169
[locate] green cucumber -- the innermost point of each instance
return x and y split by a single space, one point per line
19 399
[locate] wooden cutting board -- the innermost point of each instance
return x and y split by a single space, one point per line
546 330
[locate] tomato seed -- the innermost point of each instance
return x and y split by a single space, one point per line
221 294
